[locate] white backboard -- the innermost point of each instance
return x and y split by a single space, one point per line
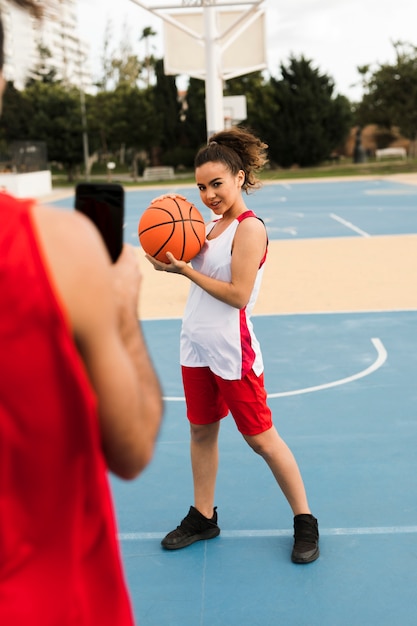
242 52
234 109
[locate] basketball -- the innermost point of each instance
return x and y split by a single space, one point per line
172 224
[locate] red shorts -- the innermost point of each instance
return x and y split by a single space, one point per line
209 398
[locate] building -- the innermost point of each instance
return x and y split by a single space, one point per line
52 44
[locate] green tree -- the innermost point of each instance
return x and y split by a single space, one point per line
262 108
390 94
125 70
121 66
127 115
106 69
193 126
56 119
43 71
17 111
168 111
310 121
149 61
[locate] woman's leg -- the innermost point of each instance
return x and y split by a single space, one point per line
287 474
204 463
201 521
284 467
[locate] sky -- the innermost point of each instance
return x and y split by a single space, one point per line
337 36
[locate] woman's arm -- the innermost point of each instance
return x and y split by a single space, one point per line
248 250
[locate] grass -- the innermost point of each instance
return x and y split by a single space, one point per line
342 169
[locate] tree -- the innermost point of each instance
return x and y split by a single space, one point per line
106 68
118 67
126 116
44 70
310 122
390 98
262 109
56 119
149 61
17 111
125 69
193 126
168 110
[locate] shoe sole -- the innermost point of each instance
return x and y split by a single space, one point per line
187 541
300 560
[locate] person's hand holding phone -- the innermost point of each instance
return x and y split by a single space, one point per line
103 203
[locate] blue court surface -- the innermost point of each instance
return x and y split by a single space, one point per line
305 210
342 387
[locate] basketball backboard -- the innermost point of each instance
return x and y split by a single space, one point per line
185 49
234 110
205 41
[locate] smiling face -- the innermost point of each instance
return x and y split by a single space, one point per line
220 190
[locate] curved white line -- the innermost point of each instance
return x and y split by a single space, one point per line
379 361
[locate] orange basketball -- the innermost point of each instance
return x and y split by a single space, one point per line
172 225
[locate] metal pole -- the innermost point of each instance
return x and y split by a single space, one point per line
214 80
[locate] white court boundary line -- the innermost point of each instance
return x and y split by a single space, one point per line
379 361
356 229
248 534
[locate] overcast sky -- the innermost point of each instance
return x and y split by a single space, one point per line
336 35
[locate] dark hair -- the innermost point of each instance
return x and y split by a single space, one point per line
239 149
30 5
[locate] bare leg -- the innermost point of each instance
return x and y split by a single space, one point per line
204 462
284 467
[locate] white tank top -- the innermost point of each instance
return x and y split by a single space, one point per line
215 334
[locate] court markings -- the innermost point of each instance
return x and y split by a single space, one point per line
381 357
253 534
390 192
349 225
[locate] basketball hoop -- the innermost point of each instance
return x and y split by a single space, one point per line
212 45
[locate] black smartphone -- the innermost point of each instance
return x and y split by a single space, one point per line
103 203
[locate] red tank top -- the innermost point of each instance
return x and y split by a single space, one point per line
59 557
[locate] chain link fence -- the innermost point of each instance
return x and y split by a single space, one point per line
28 156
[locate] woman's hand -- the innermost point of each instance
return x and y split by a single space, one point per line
175 266
168 195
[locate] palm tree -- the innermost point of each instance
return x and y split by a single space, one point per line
149 61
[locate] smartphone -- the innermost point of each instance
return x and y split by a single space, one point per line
103 203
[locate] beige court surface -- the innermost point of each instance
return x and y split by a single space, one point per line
313 275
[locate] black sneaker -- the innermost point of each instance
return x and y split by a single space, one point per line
306 539
194 527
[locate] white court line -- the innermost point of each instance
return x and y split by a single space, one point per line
356 229
248 534
379 361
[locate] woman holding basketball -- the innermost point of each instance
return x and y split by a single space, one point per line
221 360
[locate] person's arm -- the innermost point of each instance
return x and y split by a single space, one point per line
248 249
101 302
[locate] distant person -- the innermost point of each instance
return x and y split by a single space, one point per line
222 366
78 396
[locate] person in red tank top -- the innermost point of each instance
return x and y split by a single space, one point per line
78 396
